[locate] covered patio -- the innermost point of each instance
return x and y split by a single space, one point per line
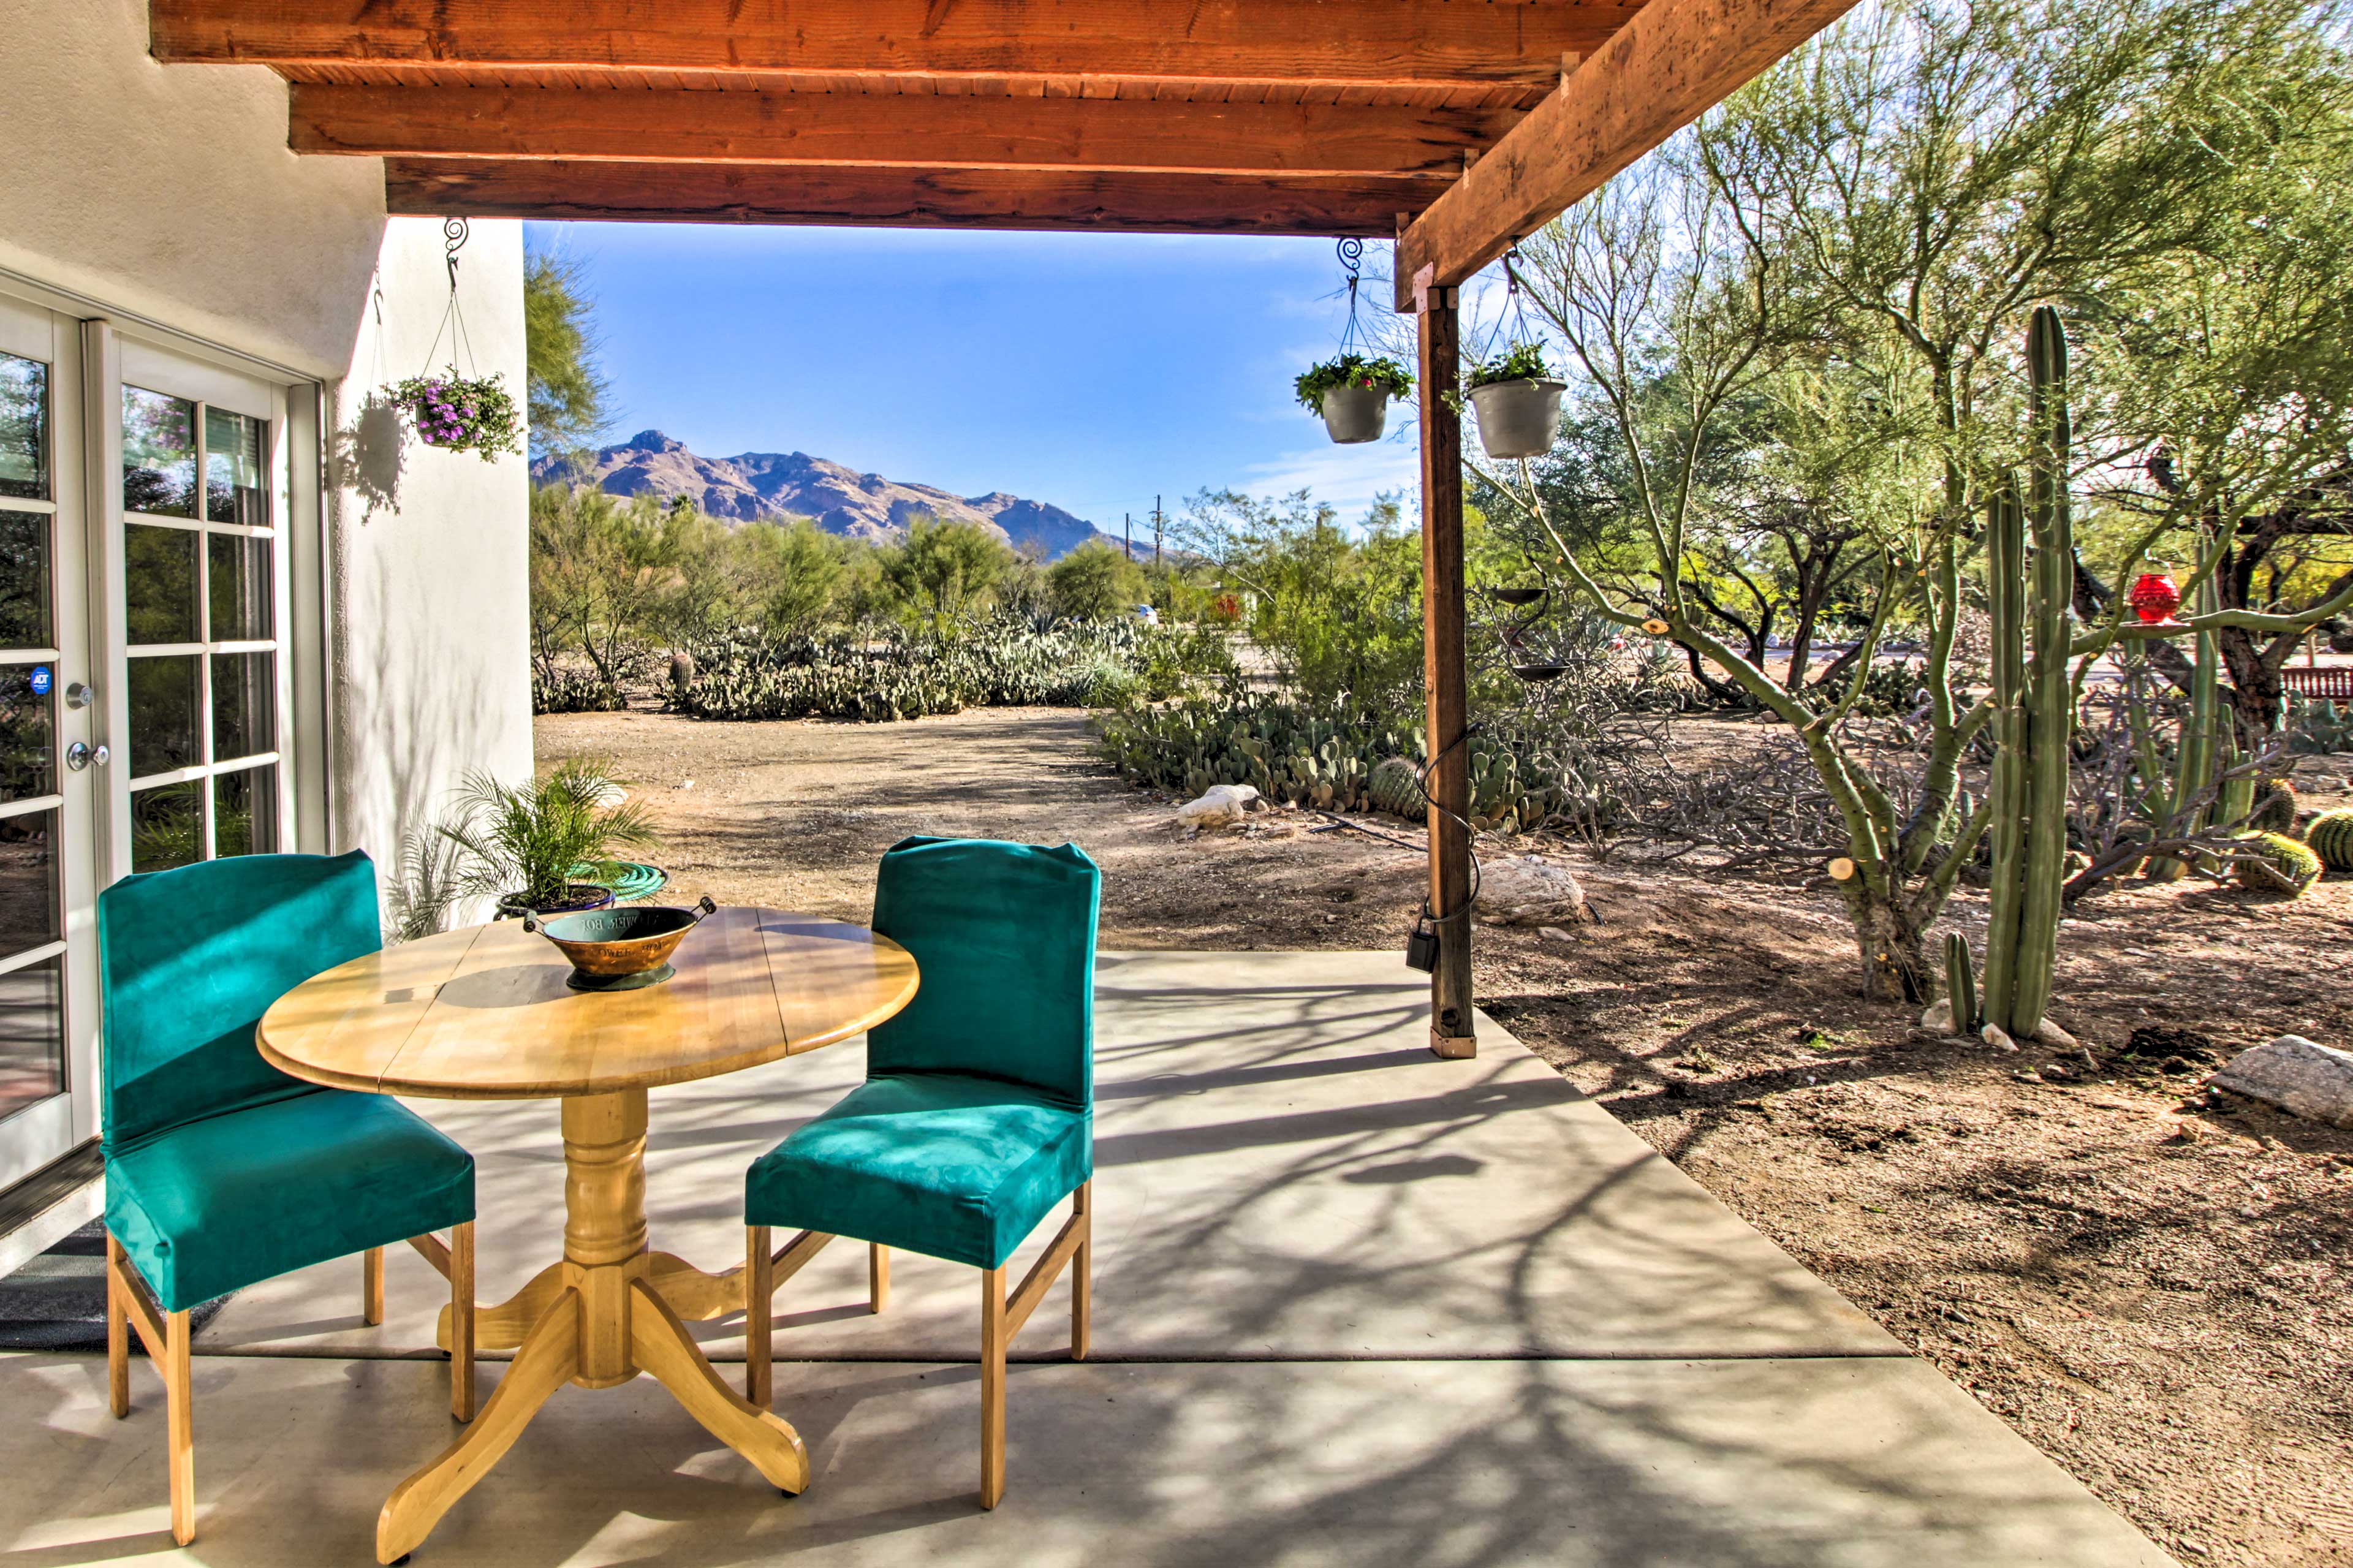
1351 1301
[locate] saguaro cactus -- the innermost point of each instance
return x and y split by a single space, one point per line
2029 591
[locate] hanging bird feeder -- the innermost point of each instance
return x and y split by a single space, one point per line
1531 604
2154 598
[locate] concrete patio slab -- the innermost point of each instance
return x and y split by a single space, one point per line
1847 1463
1284 1172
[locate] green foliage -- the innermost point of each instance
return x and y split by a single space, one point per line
2330 835
564 389
1094 582
1001 663
527 839
1352 370
1337 609
1521 361
945 569
2274 863
462 414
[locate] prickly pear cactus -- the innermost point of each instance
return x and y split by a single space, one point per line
2330 836
2280 865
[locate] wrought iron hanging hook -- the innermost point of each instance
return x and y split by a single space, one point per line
1352 255
454 233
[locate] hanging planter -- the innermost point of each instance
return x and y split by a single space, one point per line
1353 393
1518 403
452 411
460 414
1352 390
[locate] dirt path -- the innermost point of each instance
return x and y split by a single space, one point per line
2153 1291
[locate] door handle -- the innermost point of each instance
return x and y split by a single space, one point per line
82 753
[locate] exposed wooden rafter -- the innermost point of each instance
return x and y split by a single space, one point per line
1388 42
901 198
910 129
1669 66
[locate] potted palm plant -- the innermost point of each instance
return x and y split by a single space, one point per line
1518 403
1352 392
528 845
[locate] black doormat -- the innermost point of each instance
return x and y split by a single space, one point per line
56 1301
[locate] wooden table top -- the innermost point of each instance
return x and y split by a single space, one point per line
484 1012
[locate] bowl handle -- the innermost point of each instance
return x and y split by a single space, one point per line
531 921
704 906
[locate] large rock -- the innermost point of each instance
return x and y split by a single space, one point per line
1528 890
2301 1078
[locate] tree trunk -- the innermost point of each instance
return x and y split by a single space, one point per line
1894 950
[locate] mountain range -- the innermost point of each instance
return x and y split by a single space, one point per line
780 485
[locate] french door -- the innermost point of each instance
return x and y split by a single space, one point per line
48 808
143 677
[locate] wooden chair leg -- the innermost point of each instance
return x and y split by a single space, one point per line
1082 1209
878 1276
179 1426
372 1286
118 1332
759 1308
461 1322
992 1385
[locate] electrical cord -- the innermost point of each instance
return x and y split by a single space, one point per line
1421 782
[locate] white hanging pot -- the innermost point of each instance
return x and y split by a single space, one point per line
1356 414
1518 419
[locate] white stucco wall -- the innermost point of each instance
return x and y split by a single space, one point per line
168 195
429 560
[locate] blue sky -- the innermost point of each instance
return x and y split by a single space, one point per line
1090 371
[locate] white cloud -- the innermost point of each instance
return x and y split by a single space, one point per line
1347 476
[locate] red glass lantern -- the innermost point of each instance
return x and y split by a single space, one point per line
2154 598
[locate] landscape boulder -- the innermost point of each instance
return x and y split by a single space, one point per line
1221 805
1528 890
2313 1082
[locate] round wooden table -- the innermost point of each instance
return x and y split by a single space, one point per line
485 1013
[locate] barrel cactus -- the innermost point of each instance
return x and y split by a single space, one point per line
2274 863
2330 836
2276 807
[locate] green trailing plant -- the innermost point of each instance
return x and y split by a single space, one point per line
1520 361
462 414
2274 863
1961 984
526 843
1373 371
2030 593
2330 836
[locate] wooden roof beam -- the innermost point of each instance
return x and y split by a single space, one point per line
884 129
1669 66
1151 202
1364 42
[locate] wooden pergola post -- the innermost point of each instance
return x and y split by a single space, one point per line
1438 330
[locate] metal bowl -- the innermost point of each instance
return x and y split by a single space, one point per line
619 949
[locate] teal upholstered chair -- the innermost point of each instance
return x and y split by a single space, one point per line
222 1170
978 1113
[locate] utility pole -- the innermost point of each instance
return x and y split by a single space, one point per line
1157 520
1127 529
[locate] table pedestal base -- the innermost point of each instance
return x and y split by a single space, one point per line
610 1310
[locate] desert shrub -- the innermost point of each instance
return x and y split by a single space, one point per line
568 689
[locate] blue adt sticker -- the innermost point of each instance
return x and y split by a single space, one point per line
40 680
